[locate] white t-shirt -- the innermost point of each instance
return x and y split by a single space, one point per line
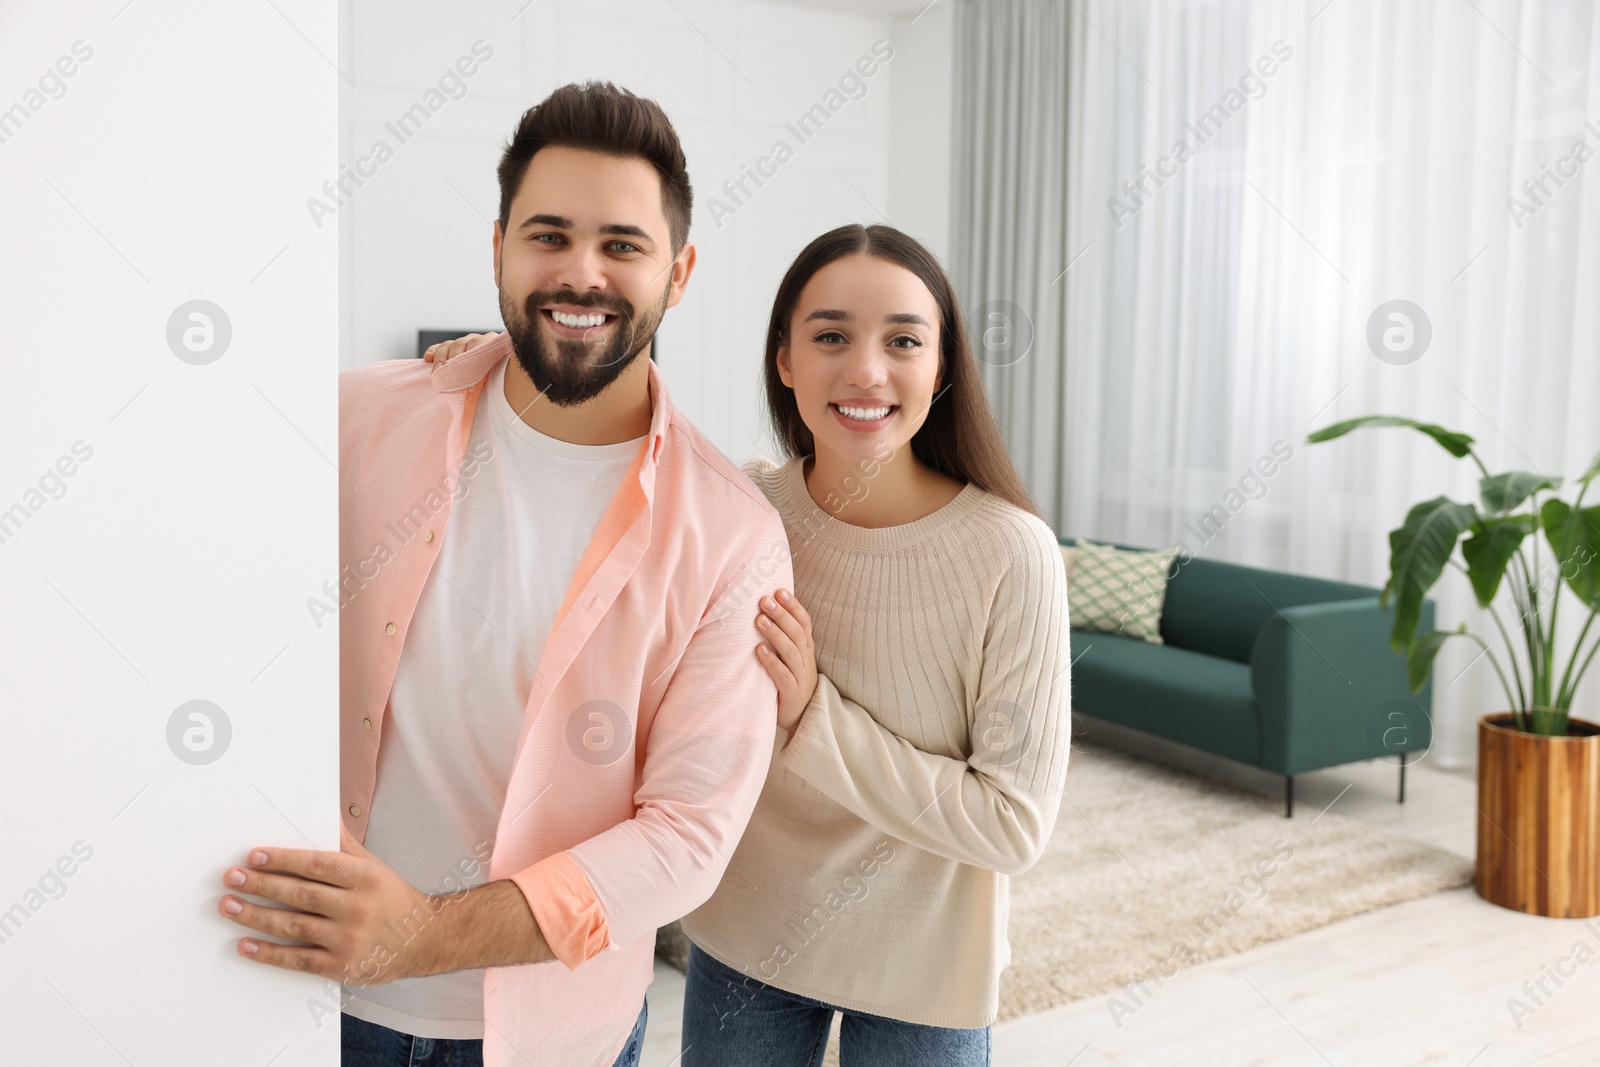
520 525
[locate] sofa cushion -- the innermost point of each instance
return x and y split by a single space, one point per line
1198 700
1110 590
1218 608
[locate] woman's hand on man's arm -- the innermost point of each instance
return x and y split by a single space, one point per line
788 654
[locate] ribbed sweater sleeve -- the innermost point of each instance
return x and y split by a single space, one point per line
996 808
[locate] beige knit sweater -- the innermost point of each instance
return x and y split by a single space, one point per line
928 767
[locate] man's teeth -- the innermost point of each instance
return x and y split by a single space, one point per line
578 321
864 414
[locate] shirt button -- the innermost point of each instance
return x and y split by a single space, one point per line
367 723
389 629
428 537
355 809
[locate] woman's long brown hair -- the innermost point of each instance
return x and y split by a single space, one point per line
960 437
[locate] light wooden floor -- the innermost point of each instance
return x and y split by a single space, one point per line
1422 984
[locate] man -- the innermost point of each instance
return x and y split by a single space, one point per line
539 664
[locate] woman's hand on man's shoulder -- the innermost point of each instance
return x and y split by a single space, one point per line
445 351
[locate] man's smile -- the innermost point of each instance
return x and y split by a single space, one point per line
578 323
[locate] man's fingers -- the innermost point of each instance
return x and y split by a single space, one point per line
276 922
296 892
339 869
292 958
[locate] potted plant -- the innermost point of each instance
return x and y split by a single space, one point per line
1538 767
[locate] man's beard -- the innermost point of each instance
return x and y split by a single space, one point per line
566 371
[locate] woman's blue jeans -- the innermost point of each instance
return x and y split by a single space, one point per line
732 1020
365 1044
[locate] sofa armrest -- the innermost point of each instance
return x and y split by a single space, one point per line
1330 690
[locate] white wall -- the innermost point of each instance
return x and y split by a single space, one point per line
166 507
920 134
730 73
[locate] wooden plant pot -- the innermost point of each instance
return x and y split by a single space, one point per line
1539 819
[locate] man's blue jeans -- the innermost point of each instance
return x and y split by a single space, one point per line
365 1044
732 1020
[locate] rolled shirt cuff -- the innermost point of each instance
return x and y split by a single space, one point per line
564 905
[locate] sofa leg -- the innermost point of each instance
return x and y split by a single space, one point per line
1402 799
1288 796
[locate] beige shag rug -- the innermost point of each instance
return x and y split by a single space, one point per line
1152 869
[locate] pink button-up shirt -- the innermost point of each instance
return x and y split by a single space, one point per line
648 733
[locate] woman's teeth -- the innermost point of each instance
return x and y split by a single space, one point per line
578 321
864 414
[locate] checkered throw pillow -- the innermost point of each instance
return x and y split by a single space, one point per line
1114 591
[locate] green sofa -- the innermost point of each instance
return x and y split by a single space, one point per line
1280 671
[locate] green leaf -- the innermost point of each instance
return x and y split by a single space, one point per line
1423 653
1418 552
1457 444
1594 471
1575 538
1490 548
1502 492
1553 517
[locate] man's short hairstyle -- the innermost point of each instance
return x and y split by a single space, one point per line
600 117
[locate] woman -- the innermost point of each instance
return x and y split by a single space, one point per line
922 667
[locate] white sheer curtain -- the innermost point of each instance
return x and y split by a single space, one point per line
1367 155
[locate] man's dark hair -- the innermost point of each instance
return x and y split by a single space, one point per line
600 117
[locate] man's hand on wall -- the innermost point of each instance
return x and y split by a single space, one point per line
359 921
